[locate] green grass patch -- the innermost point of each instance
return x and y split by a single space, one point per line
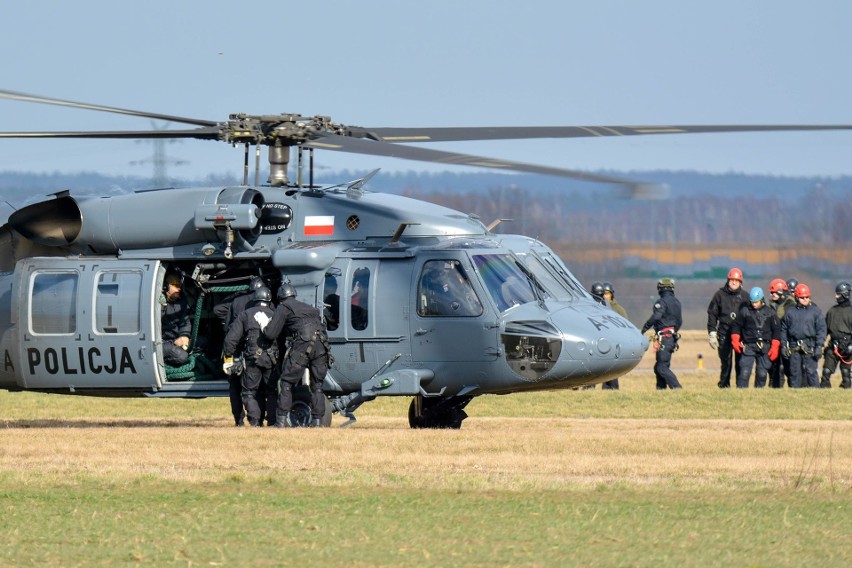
280 522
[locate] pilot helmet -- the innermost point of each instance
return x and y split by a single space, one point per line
597 289
843 290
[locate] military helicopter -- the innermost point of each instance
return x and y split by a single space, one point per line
420 300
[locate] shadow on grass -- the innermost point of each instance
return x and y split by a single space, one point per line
112 423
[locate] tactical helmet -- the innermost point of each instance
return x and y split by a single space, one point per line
607 286
256 283
802 291
286 291
792 283
755 294
665 284
597 289
843 290
263 294
735 274
777 286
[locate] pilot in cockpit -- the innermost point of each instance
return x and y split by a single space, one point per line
445 291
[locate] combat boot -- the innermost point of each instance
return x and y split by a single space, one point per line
845 377
825 383
283 421
316 423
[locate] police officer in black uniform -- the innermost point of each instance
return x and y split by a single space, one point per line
302 324
721 312
838 322
260 354
227 311
803 334
755 334
666 320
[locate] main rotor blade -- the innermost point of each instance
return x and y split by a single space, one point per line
449 134
340 143
100 108
198 133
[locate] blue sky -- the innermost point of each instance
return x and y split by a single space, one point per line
439 63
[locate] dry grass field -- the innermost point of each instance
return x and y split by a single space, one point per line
637 477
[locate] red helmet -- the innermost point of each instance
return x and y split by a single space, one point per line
802 291
777 286
735 274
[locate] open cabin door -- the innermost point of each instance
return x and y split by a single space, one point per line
86 323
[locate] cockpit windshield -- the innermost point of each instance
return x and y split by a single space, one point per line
507 284
553 276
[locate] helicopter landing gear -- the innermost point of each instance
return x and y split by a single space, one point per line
438 412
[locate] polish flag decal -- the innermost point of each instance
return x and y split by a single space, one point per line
319 225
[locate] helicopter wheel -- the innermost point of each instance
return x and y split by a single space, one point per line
441 413
300 413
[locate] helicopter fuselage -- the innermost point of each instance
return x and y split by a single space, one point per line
419 300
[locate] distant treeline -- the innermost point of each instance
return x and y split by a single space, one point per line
701 208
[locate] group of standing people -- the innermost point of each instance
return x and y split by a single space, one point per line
268 350
784 337
781 338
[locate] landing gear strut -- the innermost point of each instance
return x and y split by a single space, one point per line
438 412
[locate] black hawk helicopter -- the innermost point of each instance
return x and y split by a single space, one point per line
420 300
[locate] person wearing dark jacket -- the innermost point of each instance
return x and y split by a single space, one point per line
781 300
803 334
721 313
755 334
308 352
838 322
260 354
666 320
176 325
227 311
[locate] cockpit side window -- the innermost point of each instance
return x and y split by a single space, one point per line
445 290
505 281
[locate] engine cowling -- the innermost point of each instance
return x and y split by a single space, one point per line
149 219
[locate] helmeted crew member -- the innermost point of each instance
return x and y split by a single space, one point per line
260 354
609 297
666 320
838 322
781 300
176 325
755 334
227 311
597 292
303 326
721 312
803 334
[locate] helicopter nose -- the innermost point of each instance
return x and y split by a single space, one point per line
578 344
597 345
